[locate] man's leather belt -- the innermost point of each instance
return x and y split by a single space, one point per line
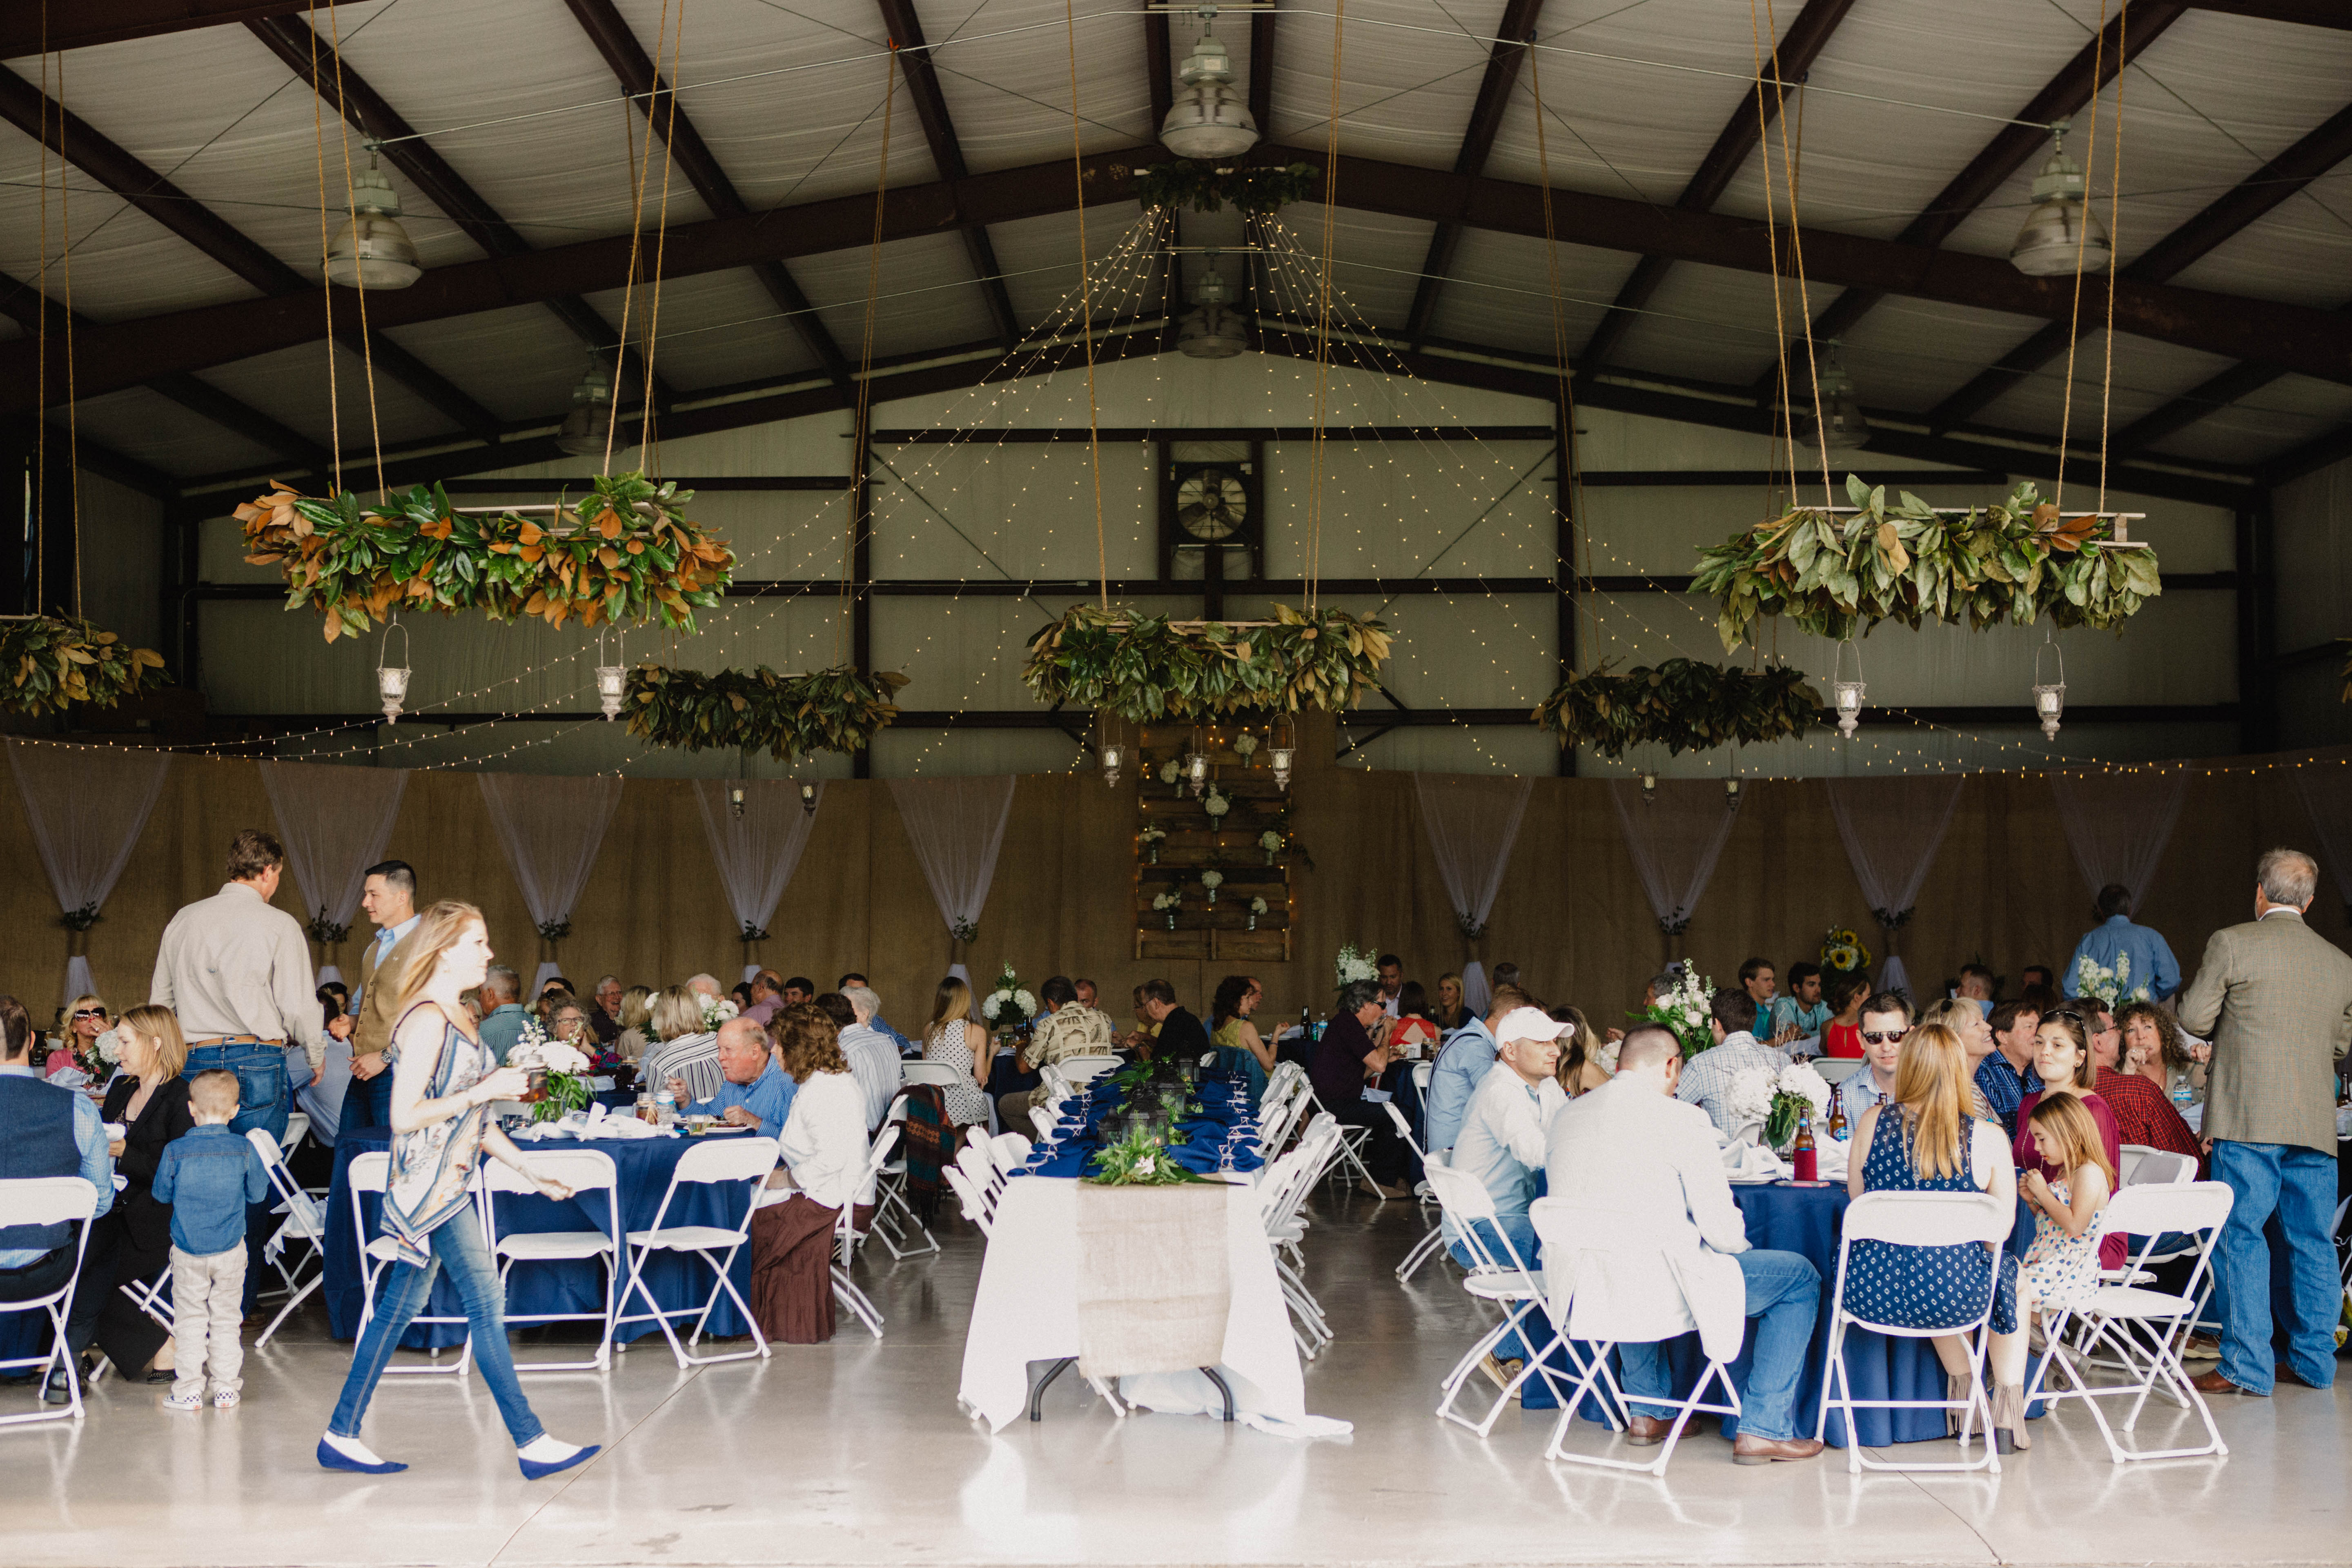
232 1040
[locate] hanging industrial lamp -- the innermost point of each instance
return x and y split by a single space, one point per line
1208 118
1212 329
1849 693
2049 700
372 250
392 680
1840 410
2061 228
590 424
1281 751
612 682
808 797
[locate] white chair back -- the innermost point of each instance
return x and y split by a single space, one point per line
946 1074
1928 1219
1422 1071
369 1172
1607 1268
733 1159
1403 1125
581 1170
297 1123
2152 1208
2155 1167
1837 1069
1008 1151
1083 1070
46 1200
1463 1197
972 1197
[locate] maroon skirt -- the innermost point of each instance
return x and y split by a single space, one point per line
791 1268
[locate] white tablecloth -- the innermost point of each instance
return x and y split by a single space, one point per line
1027 1309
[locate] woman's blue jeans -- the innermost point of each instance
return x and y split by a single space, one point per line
457 1246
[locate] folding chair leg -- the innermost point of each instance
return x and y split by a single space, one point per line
1421 1253
856 1301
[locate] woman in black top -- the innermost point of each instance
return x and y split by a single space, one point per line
131 1242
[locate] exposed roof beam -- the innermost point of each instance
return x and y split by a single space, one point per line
2224 219
2012 148
2310 13
1503 62
292 40
947 154
1792 58
610 32
1160 70
2333 447
24 105
1261 81
2294 337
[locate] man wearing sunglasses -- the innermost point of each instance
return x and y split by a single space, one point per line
1885 1020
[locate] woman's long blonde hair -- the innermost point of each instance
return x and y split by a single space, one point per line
436 932
2069 1123
951 1003
676 1012
161 1029
1931 1089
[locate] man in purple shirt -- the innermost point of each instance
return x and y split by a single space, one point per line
767 996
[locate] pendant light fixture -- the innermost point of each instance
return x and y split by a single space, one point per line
612 682
1849 693
1212 329
2060 227
392 680
373 249
1196 766
735 800
1281 751
1108 746
1840 410
808 797
586 427
2049 700
1208 118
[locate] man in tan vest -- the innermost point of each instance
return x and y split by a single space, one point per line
2275 999
389 899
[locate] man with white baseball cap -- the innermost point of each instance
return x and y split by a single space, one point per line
1503 1140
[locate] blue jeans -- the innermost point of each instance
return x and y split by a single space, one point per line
260 1081
367 1102
457 1246
1522 1237
2299 1184
1784 1290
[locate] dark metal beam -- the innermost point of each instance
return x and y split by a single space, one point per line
1503 62
1261 81
2224 219
2313 455
1160 70
24 29
610 32
947 153
1792 58
2310 13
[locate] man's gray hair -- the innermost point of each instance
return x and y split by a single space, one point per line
502 982
2288 877
863 1001
1357 995
604 979
706 984
752 1025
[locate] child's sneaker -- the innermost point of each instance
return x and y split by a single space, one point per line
176 1401
226 1399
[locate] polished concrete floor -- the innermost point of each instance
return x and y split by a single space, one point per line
855 1453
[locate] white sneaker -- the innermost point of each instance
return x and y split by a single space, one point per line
227 1399
175 1401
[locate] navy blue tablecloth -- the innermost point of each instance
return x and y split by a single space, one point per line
644 1166
1224 1106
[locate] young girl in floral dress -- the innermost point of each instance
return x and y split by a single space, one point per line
2062 1265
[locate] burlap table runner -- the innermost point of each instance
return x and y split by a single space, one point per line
1155 1285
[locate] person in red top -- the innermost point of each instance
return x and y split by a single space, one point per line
1846 993
2144 1113
2061 1059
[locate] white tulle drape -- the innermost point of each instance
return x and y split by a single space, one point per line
1892 828
757 851
1472 821
2327 794
335 823
551 828
1675 838
86 806
2118 824
1476 994
955 827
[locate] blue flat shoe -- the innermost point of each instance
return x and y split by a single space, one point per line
331 1459
533 1470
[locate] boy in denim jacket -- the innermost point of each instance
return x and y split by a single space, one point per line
208 1175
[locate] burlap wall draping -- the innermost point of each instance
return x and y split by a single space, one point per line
1063 898
1675 833
334 823
2118 824
85 806
1891 829
551 829
755 851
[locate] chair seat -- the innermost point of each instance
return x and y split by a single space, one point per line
1503 1288
383 1249
689 1238
2131 1301
548 1246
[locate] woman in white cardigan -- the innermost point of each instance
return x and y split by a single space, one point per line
826 1151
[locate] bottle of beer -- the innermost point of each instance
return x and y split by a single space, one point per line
1807 1163
1838 1128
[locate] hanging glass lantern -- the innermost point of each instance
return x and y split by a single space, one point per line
808 797
2060 233
392 680
1649 789
1107 749
1282 748
612 682
1849 692
1196 766
1112 758
1731 794
2049 701
373 249
735 799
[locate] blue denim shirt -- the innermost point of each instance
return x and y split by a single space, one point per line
2152 963
2005 1088
208 1175
1461 1066
97 1162
767 1097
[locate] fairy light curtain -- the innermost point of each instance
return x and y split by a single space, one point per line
86 807
2118 824
551 829
1676 836
758 849
1891 829
335 822
956 826
1472 821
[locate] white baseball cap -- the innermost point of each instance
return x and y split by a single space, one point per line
1529 1024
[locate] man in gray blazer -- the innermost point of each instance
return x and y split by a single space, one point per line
2277 1000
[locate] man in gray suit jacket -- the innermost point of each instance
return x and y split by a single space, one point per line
2276 999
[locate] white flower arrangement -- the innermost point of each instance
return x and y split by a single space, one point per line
1164 901
1169 771
561 1056
1269 841
1213 879
1245 745
1010 1002
1154 835
1257 906
1605 1053
717 1010
2108 985
1217 805
1798 1078
1355 964
1750 1098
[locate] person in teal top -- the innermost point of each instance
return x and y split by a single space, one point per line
1800 1013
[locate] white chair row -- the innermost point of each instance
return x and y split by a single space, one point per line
46 1201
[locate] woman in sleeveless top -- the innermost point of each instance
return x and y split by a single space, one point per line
442 1088
1241 1050
953 1037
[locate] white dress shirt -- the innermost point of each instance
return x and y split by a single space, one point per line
1502 1139
236 964
824 1140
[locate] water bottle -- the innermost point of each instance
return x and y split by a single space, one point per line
665 1108
2183 1095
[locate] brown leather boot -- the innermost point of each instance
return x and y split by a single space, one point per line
1749 1449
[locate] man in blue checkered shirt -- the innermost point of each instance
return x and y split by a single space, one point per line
1707 1076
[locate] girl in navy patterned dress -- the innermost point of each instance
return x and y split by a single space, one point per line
1923 1140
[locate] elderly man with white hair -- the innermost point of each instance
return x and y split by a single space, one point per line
708 984
873 1055
756 1094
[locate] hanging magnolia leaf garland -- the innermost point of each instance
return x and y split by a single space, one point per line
1680 705
756 710
52 661
1148 667
1199 185
625 555
1835 573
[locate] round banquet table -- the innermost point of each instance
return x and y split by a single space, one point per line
644 1166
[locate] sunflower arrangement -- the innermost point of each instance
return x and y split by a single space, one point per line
1843 951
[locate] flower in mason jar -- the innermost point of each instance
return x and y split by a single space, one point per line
1213 879
1217 805
1257 906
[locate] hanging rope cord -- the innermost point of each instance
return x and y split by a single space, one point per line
1571 471
640 176
327 291
863 408
1085 303
1756 25
2082 241
648 436
359 277
1323 316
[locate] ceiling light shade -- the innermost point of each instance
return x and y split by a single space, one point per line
1209 118
1840 410
1213 329
583 430
2060 227
372 250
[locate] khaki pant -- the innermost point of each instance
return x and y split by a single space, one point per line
207 1315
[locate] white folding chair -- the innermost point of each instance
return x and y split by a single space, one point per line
44 1201
894 1217
1076 1070
1048 1125
1587 1248
1281 1191
297 1122
720 1162
1503 1280
369 1172
1435 1239
586 1172
1913 1220
847 1235
1835 1070
972 1197
2147 1211
1008 1151
1347 1161
305 1223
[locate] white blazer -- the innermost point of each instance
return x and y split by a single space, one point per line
1635 1163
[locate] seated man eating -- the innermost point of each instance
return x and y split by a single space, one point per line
757 1094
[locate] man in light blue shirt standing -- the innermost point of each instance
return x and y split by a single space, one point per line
2116 939
1462 1066
502 1016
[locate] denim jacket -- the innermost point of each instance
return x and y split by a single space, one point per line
208 1175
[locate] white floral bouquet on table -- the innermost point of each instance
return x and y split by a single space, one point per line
1170 771
1009 1003
1213 879
1686 1010
566 1086
717 1010
2108 985
1752 1094
1796 1090
1354 963
1217 805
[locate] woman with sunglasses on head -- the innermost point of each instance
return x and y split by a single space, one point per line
86 1020
2063 1060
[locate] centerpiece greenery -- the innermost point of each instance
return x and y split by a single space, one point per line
624 555
1686 1012
756 710
54 660
1834 574
1200 184
1149 667
1139 1160
1681 705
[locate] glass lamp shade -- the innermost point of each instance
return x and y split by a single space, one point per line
392 685
2049 703
612 682
1196 772
1649 789
1849 706
1842 412
1112 756
1278 758
1208 118
372 250
1211 332
808 797
2053 234
735 799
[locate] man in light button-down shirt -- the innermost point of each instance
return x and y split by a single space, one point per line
1502 1140
1707 1078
